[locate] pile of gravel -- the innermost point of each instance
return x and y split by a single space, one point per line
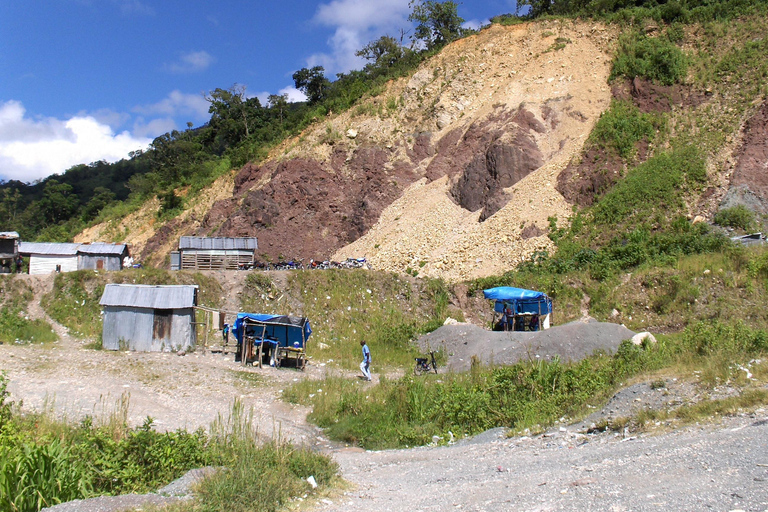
570 342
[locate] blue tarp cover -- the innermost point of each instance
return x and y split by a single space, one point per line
283 331
522 301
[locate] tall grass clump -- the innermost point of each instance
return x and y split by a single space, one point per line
44 462
622 126
411 410
530 394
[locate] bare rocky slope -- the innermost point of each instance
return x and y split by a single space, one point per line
455 171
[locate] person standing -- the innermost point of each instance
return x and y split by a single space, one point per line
365 366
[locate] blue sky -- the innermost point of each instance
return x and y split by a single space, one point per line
89 80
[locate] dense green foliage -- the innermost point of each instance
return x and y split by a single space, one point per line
655 58
738 216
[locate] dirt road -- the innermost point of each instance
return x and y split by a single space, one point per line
715 467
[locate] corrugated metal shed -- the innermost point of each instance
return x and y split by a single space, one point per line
218 243
48 248
148 296
102 248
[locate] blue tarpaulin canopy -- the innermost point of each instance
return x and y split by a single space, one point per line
279 330
520 301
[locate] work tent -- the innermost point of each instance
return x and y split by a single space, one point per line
519 307
282 336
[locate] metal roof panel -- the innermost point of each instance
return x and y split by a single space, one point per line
149 296
218 243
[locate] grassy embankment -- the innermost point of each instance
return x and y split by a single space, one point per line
633 254
15 325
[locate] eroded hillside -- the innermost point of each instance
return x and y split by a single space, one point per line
451 171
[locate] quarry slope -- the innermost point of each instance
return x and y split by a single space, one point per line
450 171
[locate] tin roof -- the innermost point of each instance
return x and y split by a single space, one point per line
102 248
148 296
218 243
9 235
48 248
70 249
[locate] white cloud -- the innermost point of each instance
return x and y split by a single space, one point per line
32 149
178 104
154 127
475 24
191 62
357 23
294 95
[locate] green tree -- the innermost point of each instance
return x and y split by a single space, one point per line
278 103
58 203
312 82
382 53
102 196
438 23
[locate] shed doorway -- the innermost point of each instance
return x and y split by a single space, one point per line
161 327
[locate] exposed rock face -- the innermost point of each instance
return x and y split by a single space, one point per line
749 180
457 180
600 168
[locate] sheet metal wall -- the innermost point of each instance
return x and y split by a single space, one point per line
46 263
90 262
134 326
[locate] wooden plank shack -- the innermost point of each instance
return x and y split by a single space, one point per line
201 253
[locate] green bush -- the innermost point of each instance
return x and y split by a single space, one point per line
622 126
738 216
654 58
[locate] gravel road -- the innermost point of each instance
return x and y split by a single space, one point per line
723 467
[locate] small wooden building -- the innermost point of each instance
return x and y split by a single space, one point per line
9 250
145 318
101 256
201 253
45 257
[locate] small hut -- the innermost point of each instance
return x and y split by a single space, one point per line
47 257
9 250
101 256
146 318
201 253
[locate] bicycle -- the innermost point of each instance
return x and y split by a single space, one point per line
426 365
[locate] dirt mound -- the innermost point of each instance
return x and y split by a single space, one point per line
568 342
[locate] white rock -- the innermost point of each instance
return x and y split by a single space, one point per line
638 338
